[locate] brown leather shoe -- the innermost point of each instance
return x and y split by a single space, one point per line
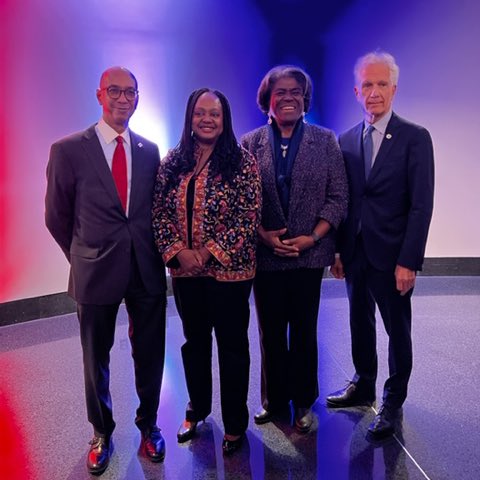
186 431
350 396
99 454
153 444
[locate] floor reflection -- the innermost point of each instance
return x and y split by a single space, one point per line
44 434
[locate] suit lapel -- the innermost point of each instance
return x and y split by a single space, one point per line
96 157
357 155
385 147
301 168
265 156
137 165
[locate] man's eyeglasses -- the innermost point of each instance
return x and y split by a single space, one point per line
115 93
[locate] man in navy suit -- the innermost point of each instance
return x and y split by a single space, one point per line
381 245
105 231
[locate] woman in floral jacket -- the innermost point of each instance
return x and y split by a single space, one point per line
205 218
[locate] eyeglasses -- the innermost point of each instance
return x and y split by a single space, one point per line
115 93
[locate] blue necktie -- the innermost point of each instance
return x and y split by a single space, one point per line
368 150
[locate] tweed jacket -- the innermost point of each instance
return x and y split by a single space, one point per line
318 191
225 220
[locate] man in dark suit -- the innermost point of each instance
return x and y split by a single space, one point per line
98 209
381 245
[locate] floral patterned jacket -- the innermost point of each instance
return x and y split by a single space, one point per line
225 220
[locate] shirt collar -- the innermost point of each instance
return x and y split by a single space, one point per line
109 134
380 125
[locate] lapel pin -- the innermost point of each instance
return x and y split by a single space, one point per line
140 144
388 136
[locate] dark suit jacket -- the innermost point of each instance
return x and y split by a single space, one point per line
85 216
318 190
395 204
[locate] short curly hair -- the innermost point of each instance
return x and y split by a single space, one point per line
265 89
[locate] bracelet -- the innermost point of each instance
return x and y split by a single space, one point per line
316 237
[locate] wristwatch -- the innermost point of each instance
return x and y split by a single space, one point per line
316 237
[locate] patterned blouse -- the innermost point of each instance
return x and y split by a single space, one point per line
225 220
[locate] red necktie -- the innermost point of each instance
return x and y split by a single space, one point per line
119 171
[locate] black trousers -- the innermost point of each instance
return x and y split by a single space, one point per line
204 304
366 287
287 304
147 337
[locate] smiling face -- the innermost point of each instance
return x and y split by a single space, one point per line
207 119
117 113
375 90
286 101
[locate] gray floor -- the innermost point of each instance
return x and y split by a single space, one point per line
44 434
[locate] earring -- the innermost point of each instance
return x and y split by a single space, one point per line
303 119
269 121
192 134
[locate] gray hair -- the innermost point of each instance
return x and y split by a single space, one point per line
377 56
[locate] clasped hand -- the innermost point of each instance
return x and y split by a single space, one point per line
193 261
285 248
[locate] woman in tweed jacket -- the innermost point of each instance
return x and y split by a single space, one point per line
304 190
205 219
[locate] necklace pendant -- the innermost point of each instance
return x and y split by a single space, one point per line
284 153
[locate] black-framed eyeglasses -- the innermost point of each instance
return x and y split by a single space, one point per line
115 93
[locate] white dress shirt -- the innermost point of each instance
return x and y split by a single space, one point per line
378 133
107 135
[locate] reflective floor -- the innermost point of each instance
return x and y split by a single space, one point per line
44 433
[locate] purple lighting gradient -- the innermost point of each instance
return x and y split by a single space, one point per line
53 52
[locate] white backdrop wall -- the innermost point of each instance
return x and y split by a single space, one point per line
53 53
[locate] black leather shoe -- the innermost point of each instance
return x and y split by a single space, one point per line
98 457
153 444
231 446
263 416
349 397
186 431
383 424
303 419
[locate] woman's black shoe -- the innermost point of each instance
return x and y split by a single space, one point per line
263 416
186 431
231 446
